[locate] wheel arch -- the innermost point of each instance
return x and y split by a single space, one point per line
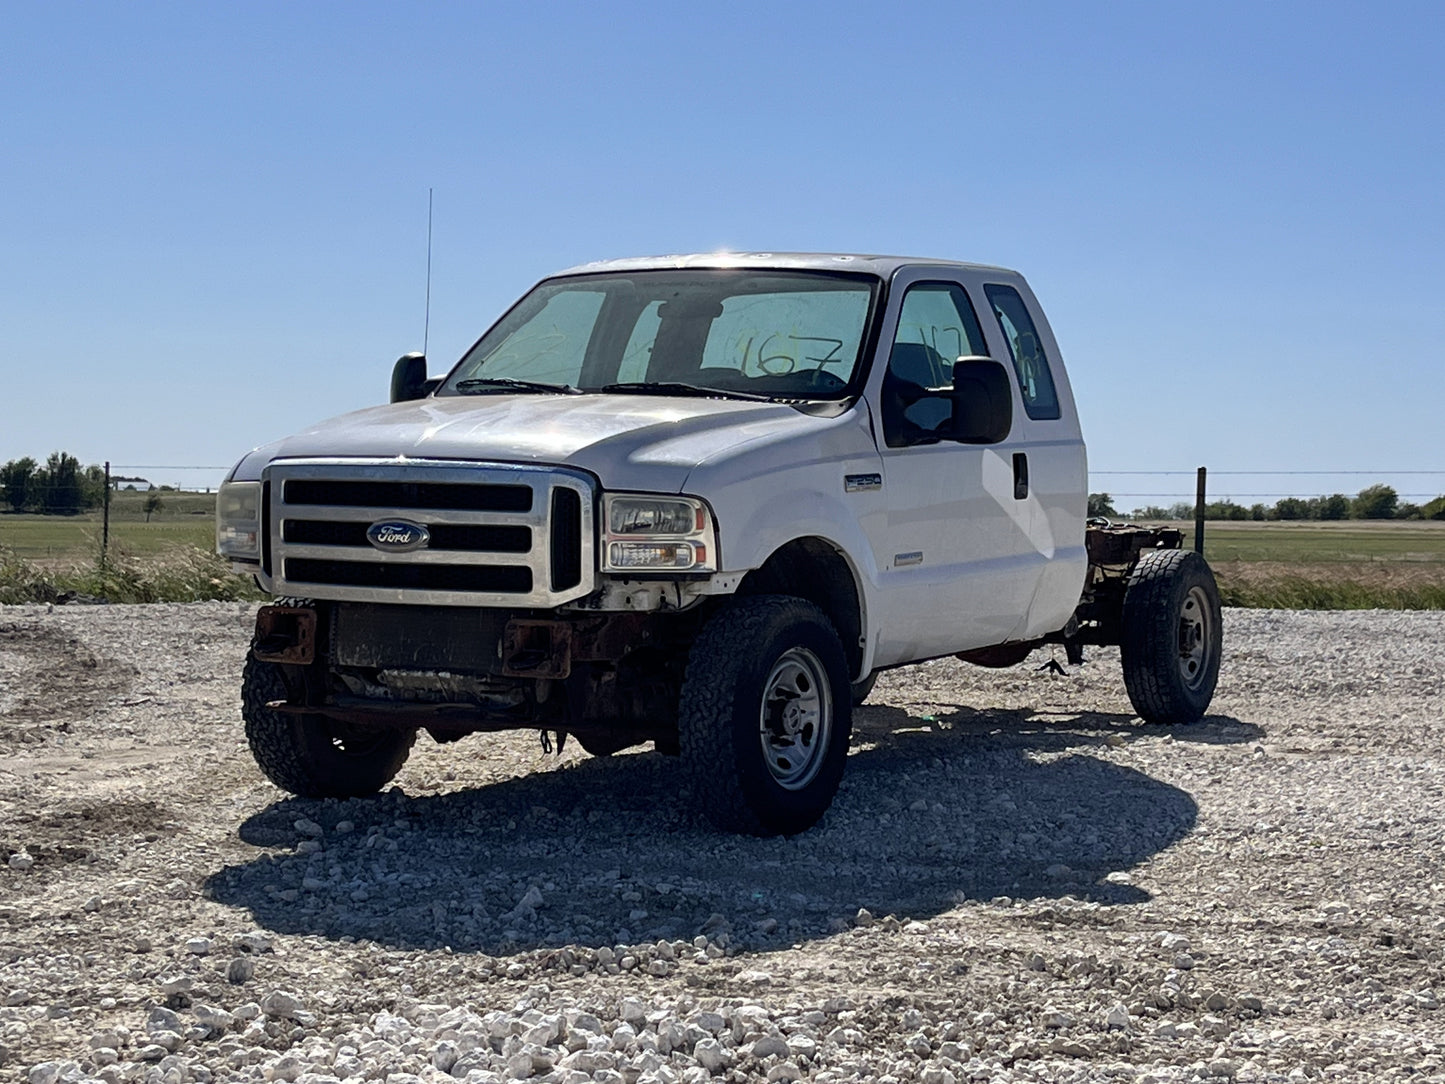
817 570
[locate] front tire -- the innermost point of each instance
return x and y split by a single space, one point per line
765 716
312 756
1172 636
862 690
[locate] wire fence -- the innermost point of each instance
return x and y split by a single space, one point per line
1412 485
66 488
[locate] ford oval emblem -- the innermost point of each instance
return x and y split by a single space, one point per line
397 536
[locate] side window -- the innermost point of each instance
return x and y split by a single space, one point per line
1041 401
936 326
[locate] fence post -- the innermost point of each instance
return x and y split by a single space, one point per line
105 518
1199 513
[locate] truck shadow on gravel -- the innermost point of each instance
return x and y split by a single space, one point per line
932 812
1051 730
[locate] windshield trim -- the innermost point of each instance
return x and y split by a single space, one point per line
877 301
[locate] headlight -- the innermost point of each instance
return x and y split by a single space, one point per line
238 520
657 534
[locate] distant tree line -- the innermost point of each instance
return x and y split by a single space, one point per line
60 487
1372 502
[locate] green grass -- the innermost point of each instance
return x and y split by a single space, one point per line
1346 541
185 520
169 559
183 574
1335 565
64 539
1328 566
1300 593
1340 565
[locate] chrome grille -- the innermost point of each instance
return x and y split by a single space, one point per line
499 535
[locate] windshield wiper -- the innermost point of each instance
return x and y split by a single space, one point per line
478 385
668 387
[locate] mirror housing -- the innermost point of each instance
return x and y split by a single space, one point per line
408 378
983 401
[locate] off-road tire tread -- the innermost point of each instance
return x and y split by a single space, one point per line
1148 648
705 710
278 745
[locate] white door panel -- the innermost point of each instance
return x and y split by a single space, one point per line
955 552
965 560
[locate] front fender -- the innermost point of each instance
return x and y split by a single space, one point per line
750 532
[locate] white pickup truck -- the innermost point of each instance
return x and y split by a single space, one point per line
698 501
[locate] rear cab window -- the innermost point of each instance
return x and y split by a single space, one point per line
1031 365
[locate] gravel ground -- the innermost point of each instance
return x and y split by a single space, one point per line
1018 881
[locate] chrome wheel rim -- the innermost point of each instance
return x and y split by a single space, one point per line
796 719
1195 637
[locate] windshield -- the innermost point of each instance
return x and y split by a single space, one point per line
765 333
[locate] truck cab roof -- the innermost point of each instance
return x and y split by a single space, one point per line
882 266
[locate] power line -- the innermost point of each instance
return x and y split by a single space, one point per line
1278 496
1189 473
1216 473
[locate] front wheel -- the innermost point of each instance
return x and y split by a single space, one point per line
765 716
1172 636
861 690
310 755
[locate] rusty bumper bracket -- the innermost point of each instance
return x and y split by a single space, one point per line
285 634
537 649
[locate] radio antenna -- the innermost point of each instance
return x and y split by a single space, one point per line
426 326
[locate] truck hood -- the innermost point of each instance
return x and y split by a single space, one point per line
628 441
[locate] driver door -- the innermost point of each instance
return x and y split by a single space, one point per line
953 550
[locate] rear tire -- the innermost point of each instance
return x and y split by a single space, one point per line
1172 636
312 756
765 716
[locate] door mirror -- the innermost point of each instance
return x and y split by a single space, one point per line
408 378
983 402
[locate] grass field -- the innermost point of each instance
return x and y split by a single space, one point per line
1339 565
185 519
1344 541
169 559
1349 564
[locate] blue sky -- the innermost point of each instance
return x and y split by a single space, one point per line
213 217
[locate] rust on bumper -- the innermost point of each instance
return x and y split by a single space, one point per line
285 634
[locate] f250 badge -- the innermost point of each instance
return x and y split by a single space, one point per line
397 536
